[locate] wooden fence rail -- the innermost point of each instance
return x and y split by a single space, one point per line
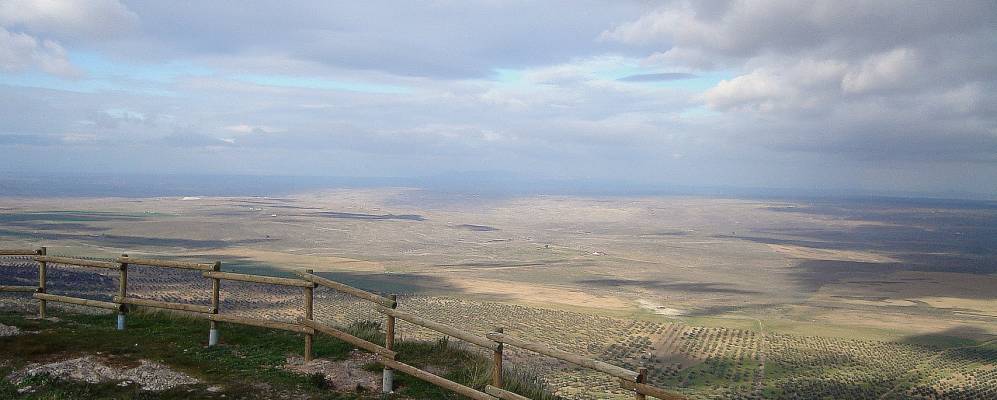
649 390
348 338
78 301
258 279
546 350
10 288
262 323
503 394
495 341
18 252
124 259
350 290
441 328
163 304
76 262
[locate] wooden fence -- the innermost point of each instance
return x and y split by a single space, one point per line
494 341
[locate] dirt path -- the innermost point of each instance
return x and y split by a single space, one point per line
762 350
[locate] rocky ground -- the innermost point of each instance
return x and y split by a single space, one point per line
8 330
95 369
347 375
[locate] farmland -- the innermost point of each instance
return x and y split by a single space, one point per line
730 298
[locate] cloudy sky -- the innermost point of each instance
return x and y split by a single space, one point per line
860 95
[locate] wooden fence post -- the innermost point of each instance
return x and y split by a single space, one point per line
215 288
388 378
309 292
122 291
497 363
42 278
642 378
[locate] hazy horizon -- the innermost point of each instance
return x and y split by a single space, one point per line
469 184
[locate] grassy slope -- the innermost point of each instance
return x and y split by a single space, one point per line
248 364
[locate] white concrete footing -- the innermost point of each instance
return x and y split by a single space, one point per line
388 381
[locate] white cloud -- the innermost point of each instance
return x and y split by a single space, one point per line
806 84
247 128
68 19
736 31
854 79
675 23
887 70
33 32
21 52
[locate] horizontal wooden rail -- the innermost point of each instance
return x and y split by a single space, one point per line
350 290
258 279
166 263
77 301
18 252
546 350
444 329
77 261
650 390
504 394
8 288
348 338
436 380
263 323
164 304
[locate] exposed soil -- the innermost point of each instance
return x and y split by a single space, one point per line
148 375
343 375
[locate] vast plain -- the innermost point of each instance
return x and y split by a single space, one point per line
729 297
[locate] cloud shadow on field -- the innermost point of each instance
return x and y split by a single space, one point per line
396 283
125 241
68 216
958 336
64 226
816 273
368 217
921 235
900 226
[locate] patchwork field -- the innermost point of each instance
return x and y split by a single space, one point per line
726 298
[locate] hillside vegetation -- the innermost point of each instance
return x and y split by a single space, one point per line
250 363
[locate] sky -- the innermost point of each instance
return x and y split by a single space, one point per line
879 97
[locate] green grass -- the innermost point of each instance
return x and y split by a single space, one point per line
939 341
248 359
248 355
